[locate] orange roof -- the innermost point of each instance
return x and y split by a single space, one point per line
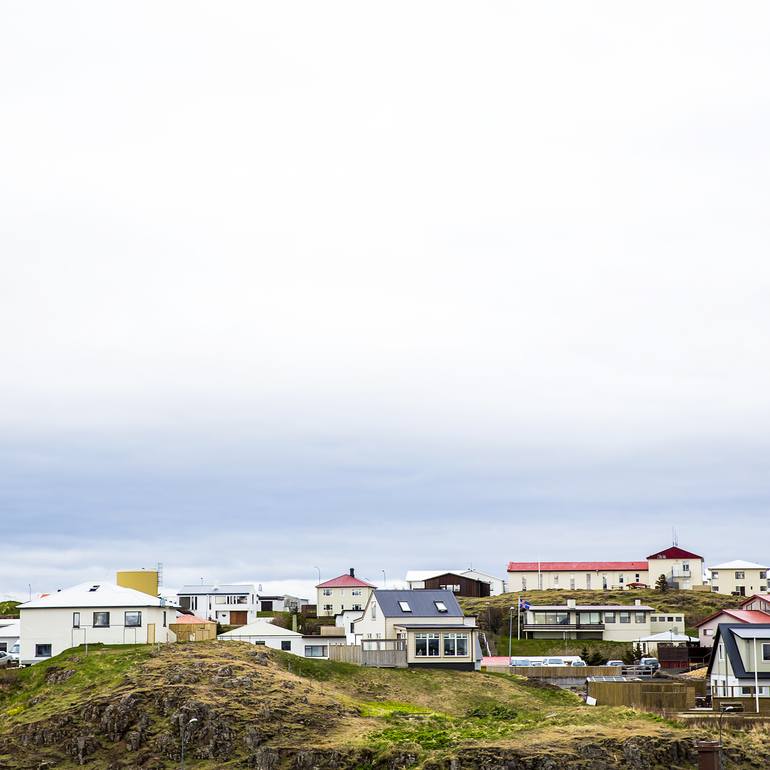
191 619
345 581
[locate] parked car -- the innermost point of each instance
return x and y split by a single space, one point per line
618 663
652 663
536 663
578 663
5 659
520 662
554 662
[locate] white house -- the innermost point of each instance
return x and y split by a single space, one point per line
345 592
426 627
9 633
265 632
742 578
92 613
232 605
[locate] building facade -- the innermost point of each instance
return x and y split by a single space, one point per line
92 613
233 605
463 582
341 594
682 569
576 575
741 578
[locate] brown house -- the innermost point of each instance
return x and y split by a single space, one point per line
458 584
191 628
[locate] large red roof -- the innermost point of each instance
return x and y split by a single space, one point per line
742 616
345 581
577 566
675 552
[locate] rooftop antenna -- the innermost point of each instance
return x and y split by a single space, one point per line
674 538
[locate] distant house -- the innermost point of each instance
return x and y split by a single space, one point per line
234 605
759 602
263 632
683 569
427 627
707 628
281 603
576 575
10 631
466 582
92 613
343 593
609 622
741 578
739 670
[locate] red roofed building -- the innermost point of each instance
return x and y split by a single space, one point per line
343 593
707 628
682 569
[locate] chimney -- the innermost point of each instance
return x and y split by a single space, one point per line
352 572
571 603
637 602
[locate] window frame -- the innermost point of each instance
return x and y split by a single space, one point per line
76 619
138 613
39 654
101 625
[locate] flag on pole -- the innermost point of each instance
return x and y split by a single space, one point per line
523 604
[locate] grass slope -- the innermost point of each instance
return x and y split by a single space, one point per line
124 704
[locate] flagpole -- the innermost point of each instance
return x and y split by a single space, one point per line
518 621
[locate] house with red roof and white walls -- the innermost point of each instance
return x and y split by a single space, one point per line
343 593
707 628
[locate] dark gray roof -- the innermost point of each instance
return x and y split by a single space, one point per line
421 603
725 632
440 626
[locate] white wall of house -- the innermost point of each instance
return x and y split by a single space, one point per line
65 627
743 581
9 634
289 642
217 605
684 573
574 580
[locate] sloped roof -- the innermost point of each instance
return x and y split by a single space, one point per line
674 552
421 603
763 597
727 632
739 564
577 566
259 628
96 594
742 616
192 620
345 581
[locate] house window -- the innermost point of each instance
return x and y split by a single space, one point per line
685 567
356 592
766 651
588 579
572 582
762 575
715 589
524 584
721 652
286 645
456 645
621 578
404 606
101 620
220 600
426 645
636 578
678 618
604 581
609 617
327 592
315 650
708 632
670 618
441 607
133 619
328 607
639 617
625 617
42 650
740 575
714 574
164 618
76 620
556 581
374 610
356 607
589 618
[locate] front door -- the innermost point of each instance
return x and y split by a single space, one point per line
151 633
238 617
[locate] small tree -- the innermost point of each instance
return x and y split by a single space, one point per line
584 654
596 659
661 584
628 656
638 652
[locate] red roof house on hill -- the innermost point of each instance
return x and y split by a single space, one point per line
342 594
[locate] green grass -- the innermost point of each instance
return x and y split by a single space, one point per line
538 647
9 609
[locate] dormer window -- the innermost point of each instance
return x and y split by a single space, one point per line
405 606
441 607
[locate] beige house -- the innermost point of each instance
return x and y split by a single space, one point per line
739 671
742 578
342 594
608 622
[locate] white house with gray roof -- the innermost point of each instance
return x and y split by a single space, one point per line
427 627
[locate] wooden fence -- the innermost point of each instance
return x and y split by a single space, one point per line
657 695
554 672
378 658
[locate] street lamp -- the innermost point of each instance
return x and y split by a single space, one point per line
384 579
183 735
722 711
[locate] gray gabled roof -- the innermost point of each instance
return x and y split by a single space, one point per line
727 633
421 602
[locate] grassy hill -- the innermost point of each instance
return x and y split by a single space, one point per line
120 708
493 615
9 609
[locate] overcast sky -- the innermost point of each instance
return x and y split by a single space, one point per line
386 286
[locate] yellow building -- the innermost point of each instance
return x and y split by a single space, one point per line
144 580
